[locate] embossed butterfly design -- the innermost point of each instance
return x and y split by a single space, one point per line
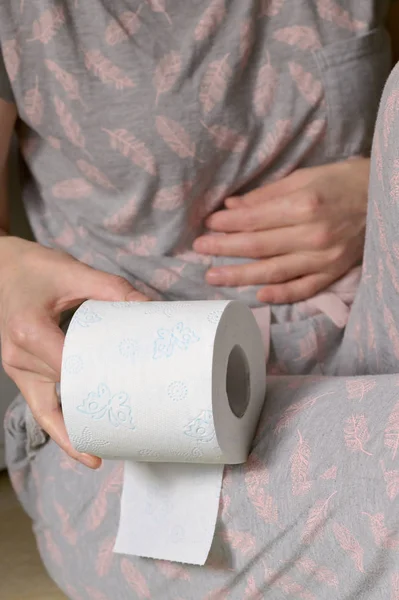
169 339
101 404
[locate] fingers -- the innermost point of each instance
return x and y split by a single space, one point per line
274 270
295 290
284 186
262 244
81 282
299 207
17 358
43 402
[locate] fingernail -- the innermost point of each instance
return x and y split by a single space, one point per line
215 277
93 462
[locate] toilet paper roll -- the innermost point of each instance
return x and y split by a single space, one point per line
157 385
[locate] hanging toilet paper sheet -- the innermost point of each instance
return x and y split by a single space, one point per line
175 389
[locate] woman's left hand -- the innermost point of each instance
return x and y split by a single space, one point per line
305 231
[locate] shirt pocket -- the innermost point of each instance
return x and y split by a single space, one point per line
354 73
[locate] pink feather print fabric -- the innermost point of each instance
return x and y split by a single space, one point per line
94 175
383 537
95 594
391 433
129 146
163 279
135 579
330 473
176 137
69 82
358 388
12 58
67 530
226 138
143 246
390 111
211 20
72 189
106 71
310 88
166 73
357 434
46 27
52 548
270 8
214 84
98 508
252 592
350 545
242 541
71 128
320 573
159 6
66 238
316 520
302 36
394 586
275 141
127 25
391 478
34 105
291 413
54 142
247 39
173 197
105 557
265 89
173 571
331 11
256 476
300 467
122 220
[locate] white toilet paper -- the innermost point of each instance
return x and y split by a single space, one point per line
158 385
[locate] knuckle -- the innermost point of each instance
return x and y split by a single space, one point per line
321 238
116 283
21 331
311 204
337 253
275 273
256 249
250 221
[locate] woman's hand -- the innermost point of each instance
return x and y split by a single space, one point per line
36 285
304 231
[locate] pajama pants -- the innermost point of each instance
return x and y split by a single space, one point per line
314 513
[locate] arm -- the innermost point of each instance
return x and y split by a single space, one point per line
393 28
8 117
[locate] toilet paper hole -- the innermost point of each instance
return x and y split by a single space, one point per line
237 381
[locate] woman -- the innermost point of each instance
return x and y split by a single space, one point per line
235 97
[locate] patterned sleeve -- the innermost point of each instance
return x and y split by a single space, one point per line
5 86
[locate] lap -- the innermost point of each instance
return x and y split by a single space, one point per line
313 513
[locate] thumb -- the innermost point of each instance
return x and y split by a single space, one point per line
87 283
